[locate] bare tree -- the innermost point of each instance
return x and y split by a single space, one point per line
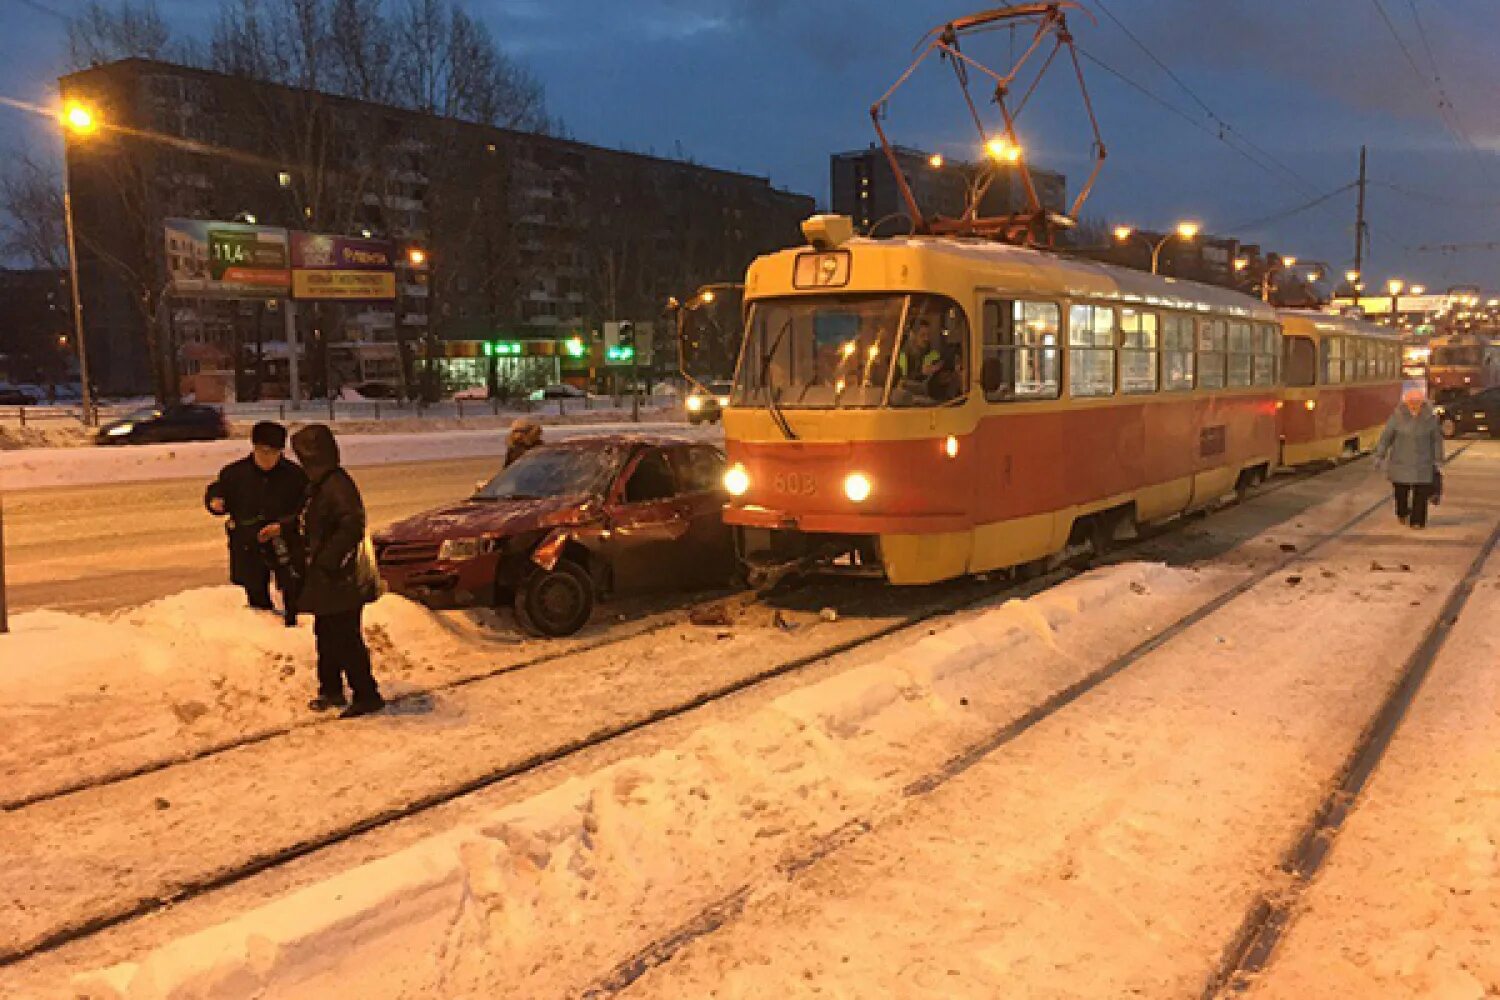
31 214
102 34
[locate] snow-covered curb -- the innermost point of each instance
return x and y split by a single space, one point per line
575 878
47 467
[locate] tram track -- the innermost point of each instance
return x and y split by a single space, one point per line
1268 920
970 593
1263 924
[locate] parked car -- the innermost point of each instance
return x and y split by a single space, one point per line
473 392
15 395
558 391
1479 412
178 422
378 390
567 524
708 403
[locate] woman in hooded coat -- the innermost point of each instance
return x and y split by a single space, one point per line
1411 447
524 435
340 578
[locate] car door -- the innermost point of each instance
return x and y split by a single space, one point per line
648 525
700 476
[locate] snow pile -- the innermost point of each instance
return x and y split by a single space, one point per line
536 897
81 694
44 467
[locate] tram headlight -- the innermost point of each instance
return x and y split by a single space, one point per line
950 447
737 481
857 487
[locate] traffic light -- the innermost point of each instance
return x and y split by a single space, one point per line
626 336
619 353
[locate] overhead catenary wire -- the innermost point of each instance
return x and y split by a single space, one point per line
1253 224
1446 111
1224 126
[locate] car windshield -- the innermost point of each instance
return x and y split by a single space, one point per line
1456 354
555 472
837 351
144 413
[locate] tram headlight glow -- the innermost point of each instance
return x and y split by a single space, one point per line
1311 404
950 447
737 481
857 487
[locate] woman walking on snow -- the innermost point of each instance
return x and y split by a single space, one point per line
1411 447
341 577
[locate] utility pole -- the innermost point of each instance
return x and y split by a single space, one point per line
1359 229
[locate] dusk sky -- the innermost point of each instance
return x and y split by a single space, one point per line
773 87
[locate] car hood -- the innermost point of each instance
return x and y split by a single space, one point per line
495 518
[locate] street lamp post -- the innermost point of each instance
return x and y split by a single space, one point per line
1394 286
1184 231
79 120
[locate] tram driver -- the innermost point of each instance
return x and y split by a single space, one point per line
931 365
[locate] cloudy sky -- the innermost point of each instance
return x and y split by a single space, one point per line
1293 87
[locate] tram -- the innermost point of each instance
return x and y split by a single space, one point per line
921 408
1462 364
1341 379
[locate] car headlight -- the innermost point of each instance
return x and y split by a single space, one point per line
857 487
120 430
737 481
695 403
458 549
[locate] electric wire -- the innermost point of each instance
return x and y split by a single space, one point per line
1213 116
1253 224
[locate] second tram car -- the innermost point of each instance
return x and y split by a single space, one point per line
1342 379
1462 364
923 408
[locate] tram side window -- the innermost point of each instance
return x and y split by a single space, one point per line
1021 356
1138 341
1241 354
932 367
1177 355
1267 354
1212 340
1333 360
1091 351
1301 361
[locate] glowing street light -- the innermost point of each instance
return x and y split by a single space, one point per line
79 118
1240 263
1287 260
1184 231
707 296
1394 286
1418 289
935 161
1002 150
416 256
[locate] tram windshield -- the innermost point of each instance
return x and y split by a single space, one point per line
837 351
1457 354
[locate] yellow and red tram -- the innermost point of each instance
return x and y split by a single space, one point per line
1342 379
923 408
1462 364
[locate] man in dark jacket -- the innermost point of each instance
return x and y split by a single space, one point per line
260 489
340 578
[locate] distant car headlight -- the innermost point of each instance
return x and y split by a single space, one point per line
857 487
458 549
695 403
737 481
122 429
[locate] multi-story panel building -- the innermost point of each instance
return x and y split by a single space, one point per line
864 187
524 236
36 327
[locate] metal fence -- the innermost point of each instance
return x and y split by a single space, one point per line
335 410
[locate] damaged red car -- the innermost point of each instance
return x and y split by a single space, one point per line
566 525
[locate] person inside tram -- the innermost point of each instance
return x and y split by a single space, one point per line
931 361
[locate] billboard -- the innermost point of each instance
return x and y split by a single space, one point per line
342 267
231 259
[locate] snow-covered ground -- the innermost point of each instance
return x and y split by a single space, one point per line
43 467
1111 850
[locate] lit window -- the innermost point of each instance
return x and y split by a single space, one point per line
284 179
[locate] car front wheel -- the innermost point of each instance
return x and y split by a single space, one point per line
556 602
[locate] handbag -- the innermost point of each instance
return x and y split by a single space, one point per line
1437 487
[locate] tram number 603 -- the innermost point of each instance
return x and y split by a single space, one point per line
797 484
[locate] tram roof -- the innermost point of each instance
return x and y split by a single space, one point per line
1312 321
1002 265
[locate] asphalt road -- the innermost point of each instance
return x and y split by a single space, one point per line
98 548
